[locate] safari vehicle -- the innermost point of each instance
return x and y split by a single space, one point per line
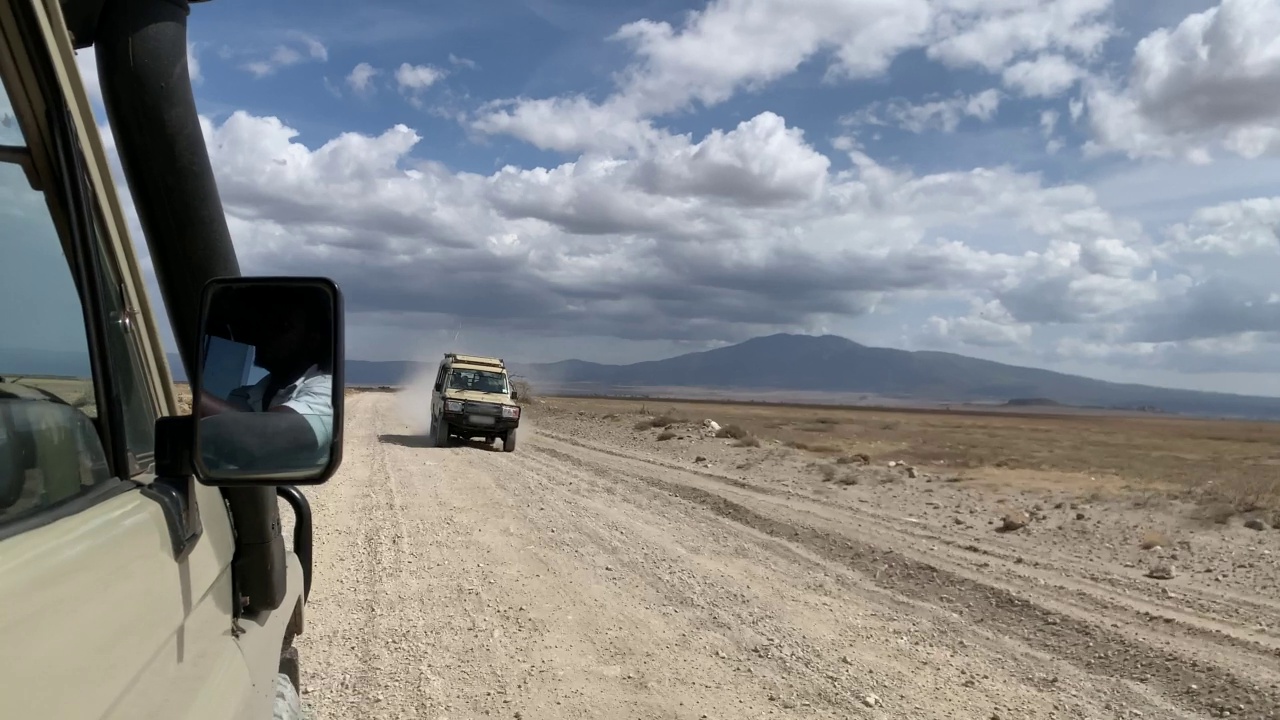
472 398
143 571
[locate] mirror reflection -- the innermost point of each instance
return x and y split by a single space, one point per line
265 398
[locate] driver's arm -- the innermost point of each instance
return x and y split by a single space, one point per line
313 401
303 423
211 404
251 439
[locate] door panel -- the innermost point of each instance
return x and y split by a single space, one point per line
96 622
97 618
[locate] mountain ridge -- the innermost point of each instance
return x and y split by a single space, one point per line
830 363
799 363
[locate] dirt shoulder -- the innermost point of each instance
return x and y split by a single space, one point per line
598 572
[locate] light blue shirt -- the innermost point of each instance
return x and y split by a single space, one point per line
311 396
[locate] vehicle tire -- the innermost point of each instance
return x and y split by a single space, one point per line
287 704
509 441
290 667
442 433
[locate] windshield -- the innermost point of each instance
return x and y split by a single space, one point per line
478 380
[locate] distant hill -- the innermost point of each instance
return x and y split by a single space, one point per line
834 364
805 363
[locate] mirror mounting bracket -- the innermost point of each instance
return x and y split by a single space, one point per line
173 445
171 488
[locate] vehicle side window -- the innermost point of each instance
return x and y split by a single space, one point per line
51 442
127 368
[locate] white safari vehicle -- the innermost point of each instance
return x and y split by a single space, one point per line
143 571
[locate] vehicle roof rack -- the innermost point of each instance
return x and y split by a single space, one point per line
452 357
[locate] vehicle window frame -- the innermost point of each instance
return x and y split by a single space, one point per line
56 162
118 322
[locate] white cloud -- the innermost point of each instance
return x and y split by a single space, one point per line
1235 229
300 48
360 79
463 62
743 45
944 115
988 325
990 34
650 235
1210 83
744 231
1044 77
193 65
413 80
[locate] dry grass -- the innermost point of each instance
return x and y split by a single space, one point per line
525 393
1153 539
1231 465
664 420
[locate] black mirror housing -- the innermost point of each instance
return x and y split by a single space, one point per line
267 395
515 395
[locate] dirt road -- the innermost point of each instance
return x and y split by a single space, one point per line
577 579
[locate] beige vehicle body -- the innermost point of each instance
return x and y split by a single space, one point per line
472 398
105 612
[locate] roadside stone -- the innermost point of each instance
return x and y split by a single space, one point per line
1013 521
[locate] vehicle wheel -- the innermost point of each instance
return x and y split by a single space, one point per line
287 704
509 441
442 433
290 667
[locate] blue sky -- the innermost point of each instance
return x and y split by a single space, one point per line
1086 185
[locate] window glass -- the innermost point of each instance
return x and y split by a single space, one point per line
478 380
126 365
50 445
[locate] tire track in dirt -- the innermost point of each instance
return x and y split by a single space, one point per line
809 633
1089 646
989 654
1115 595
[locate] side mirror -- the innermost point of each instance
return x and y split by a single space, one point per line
515 395
439 386
268 387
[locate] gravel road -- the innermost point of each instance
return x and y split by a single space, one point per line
577 579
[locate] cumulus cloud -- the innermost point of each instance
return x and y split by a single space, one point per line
1211 83
646 234
742 231
1236 229
743 45
1044 77
360 79
413 80
992 34
988 325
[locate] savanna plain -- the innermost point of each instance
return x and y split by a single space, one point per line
676 559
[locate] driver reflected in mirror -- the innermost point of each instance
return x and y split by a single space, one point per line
284 421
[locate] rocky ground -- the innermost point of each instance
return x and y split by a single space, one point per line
599 572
